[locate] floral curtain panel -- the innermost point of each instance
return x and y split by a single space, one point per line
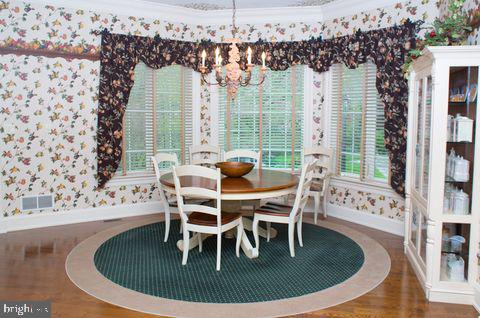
387 48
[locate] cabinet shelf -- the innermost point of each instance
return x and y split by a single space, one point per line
457 218
460 142
451 180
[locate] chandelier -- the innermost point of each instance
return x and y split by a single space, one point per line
233 78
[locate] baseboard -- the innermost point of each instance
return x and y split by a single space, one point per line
371 220
32 221
25 222
448 296
476 298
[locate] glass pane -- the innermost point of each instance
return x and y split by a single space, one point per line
414 225
419 136
423 241
276 114
460 145
426 137
455 248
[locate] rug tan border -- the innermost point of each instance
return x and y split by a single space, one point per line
82 272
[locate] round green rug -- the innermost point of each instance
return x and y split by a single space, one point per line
138 259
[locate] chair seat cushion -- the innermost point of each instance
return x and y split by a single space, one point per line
199 218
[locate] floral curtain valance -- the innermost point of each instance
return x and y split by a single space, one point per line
387 48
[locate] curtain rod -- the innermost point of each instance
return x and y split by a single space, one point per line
50 53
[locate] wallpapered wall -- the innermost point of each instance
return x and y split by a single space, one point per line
47 114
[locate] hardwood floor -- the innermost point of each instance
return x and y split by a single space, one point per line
32 267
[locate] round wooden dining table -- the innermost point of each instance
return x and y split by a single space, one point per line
256 185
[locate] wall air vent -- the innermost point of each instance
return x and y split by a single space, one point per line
38 202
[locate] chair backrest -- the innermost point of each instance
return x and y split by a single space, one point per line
323 157
160 158
242 153
204 155
303 190
193 189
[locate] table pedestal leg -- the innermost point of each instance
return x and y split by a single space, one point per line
246 246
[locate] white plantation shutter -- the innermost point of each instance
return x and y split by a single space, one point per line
158 116
265 117
357 124
138 122
242 127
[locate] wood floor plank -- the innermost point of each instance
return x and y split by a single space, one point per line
32 267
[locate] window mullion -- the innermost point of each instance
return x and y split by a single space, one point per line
153 91
124 145
364 115
260 122
339 121
182 114
293 88
228 123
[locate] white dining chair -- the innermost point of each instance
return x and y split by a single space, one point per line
204 155
321 176
290 215
239 154
162 163
201 218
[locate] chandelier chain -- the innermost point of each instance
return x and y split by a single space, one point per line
234 27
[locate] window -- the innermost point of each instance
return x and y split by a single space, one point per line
267 117
158 116
357 124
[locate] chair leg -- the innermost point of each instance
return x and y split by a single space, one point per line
316 200
181 228
186 246
291 238
299 230
324 200
268 231
200 242
219 250
167 223
255 233
239 237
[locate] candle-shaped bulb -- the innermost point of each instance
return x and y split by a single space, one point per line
263 58
249 55
204 55
217 53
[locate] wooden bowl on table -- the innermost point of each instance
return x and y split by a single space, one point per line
234 169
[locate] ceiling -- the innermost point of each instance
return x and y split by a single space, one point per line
241 4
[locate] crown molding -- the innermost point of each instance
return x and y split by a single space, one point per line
165 12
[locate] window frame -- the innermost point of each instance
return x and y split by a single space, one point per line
308 74
368 185
148 177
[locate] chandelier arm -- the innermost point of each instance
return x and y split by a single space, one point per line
221 83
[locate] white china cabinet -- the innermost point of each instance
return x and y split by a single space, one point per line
443 173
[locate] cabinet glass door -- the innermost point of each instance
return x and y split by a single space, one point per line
422 143
419 136
460 147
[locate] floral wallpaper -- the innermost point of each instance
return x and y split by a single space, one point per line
366 202
472 7
48 107
47 137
